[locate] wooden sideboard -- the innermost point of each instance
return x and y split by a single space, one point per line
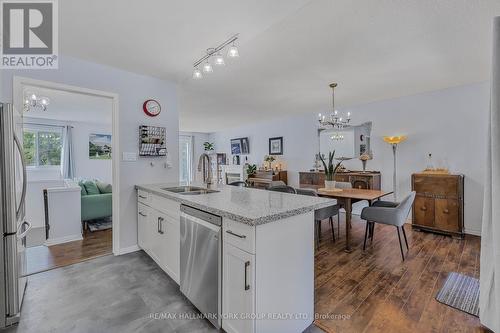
262 178
439 203
365 180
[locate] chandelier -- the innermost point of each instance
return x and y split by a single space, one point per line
32 102
216 54
335 120
337 136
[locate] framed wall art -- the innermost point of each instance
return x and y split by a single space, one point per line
276 146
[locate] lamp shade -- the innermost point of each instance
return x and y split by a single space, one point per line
395 139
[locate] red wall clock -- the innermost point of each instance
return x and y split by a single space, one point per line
151 107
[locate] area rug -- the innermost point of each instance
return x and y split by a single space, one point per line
100 224
460 292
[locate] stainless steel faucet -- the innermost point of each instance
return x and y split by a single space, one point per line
205 167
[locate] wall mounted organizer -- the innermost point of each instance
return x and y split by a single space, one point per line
152 141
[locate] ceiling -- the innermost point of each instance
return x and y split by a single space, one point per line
73 107
290 50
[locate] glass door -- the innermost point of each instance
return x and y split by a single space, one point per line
185 158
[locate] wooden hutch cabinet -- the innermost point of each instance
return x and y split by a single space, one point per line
439 203
262 178
365 180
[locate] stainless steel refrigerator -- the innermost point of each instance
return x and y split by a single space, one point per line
12 215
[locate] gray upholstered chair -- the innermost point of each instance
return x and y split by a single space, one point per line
282 188
320 215
238 183
386 212
274 183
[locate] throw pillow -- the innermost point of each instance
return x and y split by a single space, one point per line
91 187
104 187
82 186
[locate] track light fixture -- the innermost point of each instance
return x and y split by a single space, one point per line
216 53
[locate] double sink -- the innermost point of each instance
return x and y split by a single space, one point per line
189 190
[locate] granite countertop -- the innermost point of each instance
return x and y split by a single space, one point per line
247 205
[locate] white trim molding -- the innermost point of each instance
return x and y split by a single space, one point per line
61 240
130 249
17 98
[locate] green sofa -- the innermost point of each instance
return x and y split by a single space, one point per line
97 200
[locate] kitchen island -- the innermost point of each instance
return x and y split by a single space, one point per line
267 247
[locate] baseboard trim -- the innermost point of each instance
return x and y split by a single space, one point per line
473 232
130 249
61 240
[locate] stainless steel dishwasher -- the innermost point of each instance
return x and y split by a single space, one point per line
200 263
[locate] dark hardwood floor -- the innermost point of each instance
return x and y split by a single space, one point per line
375 291
93 245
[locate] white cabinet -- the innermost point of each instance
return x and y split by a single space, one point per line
158 231
143 227
238 290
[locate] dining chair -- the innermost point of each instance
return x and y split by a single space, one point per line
320 215
282 188
391 214
342 185
276 183
238 183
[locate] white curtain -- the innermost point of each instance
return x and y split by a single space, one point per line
489 299
67 158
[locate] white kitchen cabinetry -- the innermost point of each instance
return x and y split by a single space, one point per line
277 261
158 231
143 227
238 292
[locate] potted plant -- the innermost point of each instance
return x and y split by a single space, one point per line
330 170
209 146
251 169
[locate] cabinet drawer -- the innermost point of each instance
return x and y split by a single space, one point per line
167 206
423 211
447 215
143 197
437 186
239 234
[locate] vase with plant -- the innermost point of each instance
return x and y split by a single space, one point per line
208 146
330 170
269 159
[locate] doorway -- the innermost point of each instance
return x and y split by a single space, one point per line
70 135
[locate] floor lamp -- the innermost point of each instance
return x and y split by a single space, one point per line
394 141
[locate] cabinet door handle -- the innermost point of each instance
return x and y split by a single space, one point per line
142 197
247 286
142 214
160 225
235 234
423 208
446 211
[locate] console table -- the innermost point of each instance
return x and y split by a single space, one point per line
369 180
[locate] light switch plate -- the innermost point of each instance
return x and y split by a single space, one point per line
129 157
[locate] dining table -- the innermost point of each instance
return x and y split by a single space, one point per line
345 198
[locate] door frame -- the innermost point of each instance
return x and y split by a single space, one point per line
17 98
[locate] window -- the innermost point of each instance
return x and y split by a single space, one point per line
185 158
42 146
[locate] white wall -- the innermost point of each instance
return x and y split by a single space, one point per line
84 166
133 90
449 123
